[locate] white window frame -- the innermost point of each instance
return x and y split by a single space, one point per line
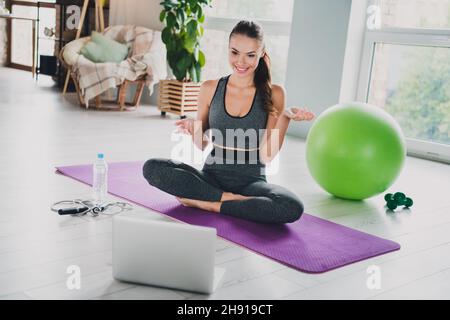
404 36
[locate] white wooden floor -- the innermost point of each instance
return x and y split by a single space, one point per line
40 130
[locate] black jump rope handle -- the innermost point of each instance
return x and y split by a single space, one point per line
72 210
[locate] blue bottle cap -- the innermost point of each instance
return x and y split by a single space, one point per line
100 156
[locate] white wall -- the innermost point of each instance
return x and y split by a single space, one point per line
353 51
3 41
143 13
316 56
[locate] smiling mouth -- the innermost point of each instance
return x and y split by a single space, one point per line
241 69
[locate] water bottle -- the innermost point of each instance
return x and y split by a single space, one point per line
100 179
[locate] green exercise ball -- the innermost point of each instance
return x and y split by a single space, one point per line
355 150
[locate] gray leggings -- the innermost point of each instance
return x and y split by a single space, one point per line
270 203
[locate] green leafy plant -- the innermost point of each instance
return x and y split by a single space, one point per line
183 20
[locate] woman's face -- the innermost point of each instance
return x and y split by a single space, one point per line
244 54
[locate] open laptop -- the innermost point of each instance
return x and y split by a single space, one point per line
166 254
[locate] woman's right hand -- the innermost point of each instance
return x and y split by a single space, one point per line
185 126
194 129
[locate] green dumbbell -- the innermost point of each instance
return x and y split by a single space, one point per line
391 204
397 199
408 202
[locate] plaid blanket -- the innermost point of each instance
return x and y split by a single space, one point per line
144 58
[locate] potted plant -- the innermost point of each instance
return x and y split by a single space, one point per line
181 35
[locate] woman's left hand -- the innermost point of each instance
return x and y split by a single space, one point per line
299 114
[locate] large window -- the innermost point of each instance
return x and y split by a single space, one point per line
275 17
428 14
406 70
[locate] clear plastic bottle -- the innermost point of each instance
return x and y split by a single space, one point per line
100 179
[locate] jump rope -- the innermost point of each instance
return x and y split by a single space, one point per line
79 207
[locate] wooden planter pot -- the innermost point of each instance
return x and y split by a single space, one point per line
178 97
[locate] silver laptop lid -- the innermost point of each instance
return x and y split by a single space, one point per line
160 253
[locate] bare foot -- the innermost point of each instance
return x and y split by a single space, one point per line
205 205
233 196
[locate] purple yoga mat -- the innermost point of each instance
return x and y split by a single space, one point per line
310 244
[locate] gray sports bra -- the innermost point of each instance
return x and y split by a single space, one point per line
235 139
